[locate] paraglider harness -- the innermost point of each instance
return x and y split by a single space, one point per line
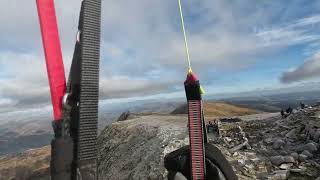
75 103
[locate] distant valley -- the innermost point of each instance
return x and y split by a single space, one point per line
276 101
25 130
19 136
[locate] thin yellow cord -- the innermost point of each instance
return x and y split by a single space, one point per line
186 44
185 38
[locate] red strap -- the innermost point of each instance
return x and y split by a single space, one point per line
52 49
191 78
196 140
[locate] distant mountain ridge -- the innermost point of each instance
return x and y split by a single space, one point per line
23 130
218 109
19 136
275 102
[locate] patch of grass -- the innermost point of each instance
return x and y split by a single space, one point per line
218 109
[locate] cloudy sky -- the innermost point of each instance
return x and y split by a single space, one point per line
235 46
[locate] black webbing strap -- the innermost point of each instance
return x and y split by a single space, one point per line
86 140
74 149
61 158
83 89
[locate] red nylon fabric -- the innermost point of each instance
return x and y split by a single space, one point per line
53 55
196 140
191 78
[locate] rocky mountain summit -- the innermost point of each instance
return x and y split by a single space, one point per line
276 148
260 146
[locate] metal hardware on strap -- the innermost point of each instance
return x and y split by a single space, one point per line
74 149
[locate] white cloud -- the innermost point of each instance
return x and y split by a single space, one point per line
312 20
120 87
25 80
5 103
142 44
298 32
308 70
302 31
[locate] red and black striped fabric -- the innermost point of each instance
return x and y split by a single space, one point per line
196 139
196 128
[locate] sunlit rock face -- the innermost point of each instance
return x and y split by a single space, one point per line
260 146
134 149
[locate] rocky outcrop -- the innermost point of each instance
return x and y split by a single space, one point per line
289 146
134 149
266 147
125 116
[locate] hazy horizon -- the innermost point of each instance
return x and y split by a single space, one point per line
119 105
236 47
